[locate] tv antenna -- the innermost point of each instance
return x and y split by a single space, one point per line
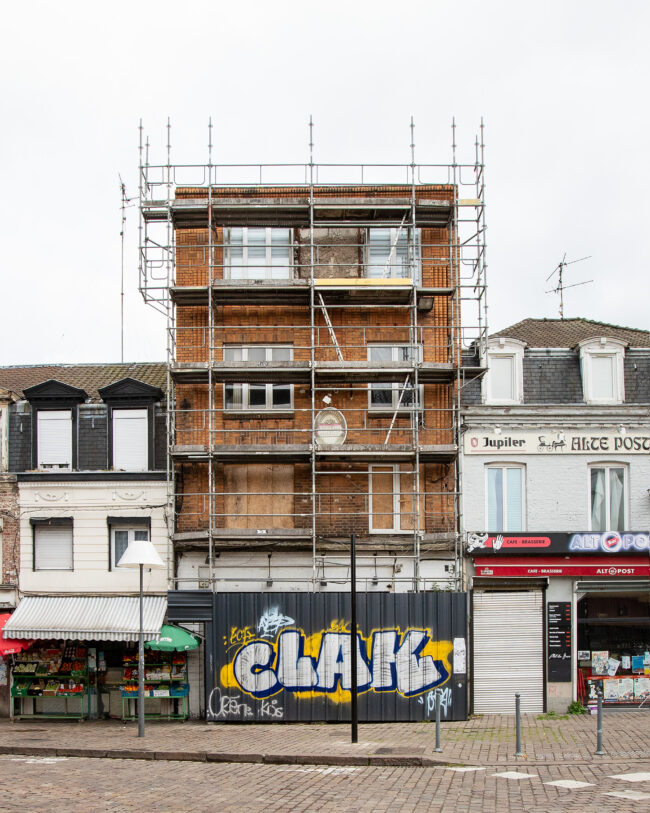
561 287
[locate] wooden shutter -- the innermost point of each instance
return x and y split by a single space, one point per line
54 441
247 507
53 547
130 439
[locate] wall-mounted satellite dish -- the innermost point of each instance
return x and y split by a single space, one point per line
330 428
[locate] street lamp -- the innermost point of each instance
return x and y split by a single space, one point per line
141 553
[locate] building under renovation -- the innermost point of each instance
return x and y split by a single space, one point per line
318 316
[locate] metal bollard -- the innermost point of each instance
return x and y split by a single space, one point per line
599 727
438 699
519 752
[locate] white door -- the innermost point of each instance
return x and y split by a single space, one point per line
508 651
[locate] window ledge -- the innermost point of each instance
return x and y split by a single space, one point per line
255 415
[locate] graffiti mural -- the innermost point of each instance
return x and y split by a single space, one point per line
285 657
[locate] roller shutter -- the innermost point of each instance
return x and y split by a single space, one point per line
508 651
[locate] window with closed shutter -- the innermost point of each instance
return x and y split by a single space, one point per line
53 547
54 439
130 439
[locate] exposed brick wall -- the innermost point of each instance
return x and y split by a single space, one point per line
9 529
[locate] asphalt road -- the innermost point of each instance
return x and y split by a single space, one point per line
73 785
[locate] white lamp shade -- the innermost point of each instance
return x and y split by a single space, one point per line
140 552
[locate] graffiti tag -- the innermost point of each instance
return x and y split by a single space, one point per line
239 636
272 622
270 708
223 705
430 701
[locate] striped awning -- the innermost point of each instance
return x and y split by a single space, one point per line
86 618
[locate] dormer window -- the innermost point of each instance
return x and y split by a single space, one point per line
54 417
131 424
601 363
503 383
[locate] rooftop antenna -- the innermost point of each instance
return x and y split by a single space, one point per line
561 287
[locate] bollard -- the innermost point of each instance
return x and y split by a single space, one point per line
519 752
599 727
438 698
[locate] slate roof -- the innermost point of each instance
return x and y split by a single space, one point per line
568 332
88 377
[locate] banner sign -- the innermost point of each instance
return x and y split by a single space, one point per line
558 443
559 641
583 542
512 567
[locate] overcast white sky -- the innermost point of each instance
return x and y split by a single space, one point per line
562 87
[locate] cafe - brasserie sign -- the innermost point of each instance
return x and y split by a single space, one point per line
560 442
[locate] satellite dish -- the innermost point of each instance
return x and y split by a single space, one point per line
330 427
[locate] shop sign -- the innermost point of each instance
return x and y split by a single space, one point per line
594 542
330 427
510 567
559 641
555 442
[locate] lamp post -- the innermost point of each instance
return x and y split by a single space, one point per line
141 553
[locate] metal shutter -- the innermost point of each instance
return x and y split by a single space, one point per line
508 651
130 440
53 547
54 439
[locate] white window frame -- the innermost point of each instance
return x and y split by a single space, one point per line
43 527
396 386
502 347
245 387
602 348
47 414
626 495
257 271
382 468
505 466
393 268
120 411
131 530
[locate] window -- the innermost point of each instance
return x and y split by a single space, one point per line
121 537
130 439
503 383
392 500
258 253
391 396
505 498
52 544
601 363
392 253
607 496
54 439
261 397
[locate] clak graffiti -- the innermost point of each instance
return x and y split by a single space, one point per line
390 660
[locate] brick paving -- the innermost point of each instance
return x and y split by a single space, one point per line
485 740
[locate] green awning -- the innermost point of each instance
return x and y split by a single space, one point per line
174 639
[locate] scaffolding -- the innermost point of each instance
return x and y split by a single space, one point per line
322 321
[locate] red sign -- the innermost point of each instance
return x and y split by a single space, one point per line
509 566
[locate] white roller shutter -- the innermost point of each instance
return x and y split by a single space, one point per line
54 441
53 547
508 651
130 439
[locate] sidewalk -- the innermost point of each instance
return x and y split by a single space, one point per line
485 740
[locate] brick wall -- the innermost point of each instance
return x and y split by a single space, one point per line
9 529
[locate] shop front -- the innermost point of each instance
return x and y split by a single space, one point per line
589 629
82 659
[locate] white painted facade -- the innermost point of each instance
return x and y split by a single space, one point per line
89 504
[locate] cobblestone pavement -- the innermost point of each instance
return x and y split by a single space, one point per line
72 785
485 740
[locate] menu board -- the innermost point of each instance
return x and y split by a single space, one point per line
559 641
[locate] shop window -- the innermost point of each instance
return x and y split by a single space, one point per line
393 253
391 500
52 544
258 397
392 395
503 383
258 253
130 439
505 498
607 498
601 364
